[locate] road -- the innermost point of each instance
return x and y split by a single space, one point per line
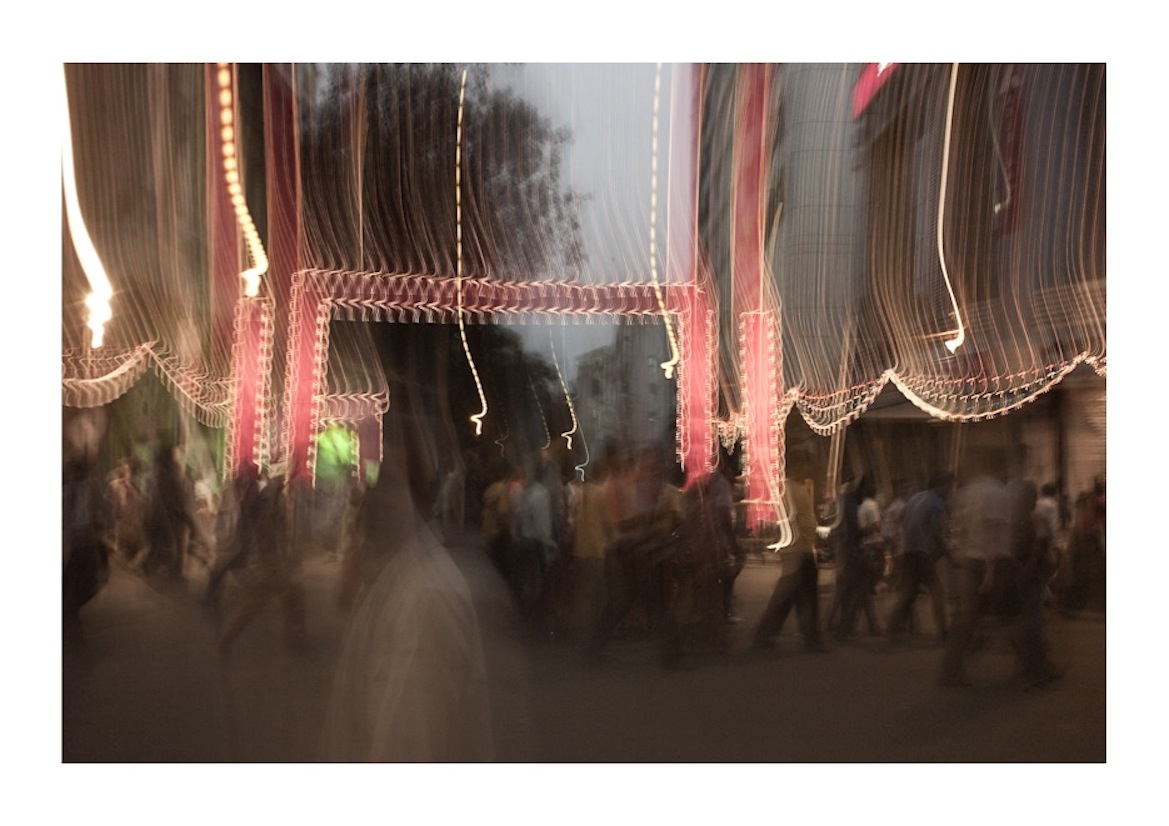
147 685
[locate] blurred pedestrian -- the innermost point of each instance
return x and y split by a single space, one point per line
698 576
925 541
719 501
496 516
535 546
1085 549
127 509
85 535
1035 559
237 529
272 572
410 683
892 523
798 584
1047 508
170 516
982 519
862 550
592 537
648 514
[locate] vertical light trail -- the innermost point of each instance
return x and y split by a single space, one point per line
543 418
667 366
566 435
954 343
476 418
101 290
250 276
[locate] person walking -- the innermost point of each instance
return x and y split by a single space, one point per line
862 549
648 514
170 517
798 584
1035 559
411 680
982 520
273 564
925 540
593 534
85 535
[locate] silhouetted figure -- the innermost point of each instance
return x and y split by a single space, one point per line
1086 552
648 512
798 585
698 573
925 540
981 514
170 517
272 572
719 504
237 530
496 517
1035 559
128 509
536 550
859 571
86 524
593 535
892 525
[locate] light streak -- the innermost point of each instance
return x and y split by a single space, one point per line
251 276
667 366
502 439
581 467
540 410
476 418
101 290
566 435
952 344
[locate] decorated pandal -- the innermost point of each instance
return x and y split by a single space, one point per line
801 235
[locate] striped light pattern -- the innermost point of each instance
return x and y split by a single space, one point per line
948 236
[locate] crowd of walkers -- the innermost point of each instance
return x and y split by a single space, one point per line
636 548
630 548
161 521
990 554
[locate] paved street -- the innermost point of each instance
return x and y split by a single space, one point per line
147 685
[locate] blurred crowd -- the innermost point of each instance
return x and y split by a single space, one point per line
630 548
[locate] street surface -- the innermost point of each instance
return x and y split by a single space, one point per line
147 685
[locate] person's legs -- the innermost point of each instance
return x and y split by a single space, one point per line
808 606
938 601
852 586
961 636
782 598
909 582
868 598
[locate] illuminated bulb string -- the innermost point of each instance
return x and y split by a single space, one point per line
667 366
250 276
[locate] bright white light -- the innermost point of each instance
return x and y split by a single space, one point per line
952 344
98 301
477 418
250 276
